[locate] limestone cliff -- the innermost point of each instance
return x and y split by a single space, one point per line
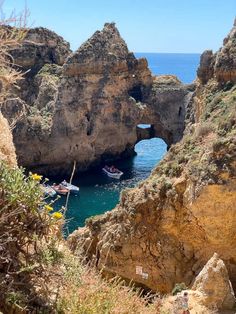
7 149
86 105
166 229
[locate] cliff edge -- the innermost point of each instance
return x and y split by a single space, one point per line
166 229
85 106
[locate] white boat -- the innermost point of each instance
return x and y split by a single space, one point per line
69 186
112 172
48 190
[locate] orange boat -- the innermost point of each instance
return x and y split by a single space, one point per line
60 189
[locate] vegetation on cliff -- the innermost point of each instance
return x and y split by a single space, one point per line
160 234
173 222
37 272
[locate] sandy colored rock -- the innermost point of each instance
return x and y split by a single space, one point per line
86 107
221 65
7 149
213 282
167 228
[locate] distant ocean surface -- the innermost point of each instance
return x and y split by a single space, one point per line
183 65
98 193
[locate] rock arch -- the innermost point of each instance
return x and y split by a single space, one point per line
91 101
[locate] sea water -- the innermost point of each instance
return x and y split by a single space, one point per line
99 193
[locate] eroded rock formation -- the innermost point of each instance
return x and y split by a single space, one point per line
214 285
165 230
85 106
222 65
7 149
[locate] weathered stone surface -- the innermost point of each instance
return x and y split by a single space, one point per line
225 65
206 68
7 149
88 109
213 282
221 65
39 47
165 230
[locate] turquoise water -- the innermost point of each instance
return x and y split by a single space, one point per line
99 193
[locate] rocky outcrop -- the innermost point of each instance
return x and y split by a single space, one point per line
166 229
40 46
214 284
86 108
206 68
7 149
222 65
225 65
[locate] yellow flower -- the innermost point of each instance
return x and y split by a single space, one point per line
36 177
57 215
48 208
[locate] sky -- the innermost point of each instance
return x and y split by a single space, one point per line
183 26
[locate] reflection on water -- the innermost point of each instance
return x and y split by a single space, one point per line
99 193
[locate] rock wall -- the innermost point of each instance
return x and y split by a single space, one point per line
166 229
7 149
221 65
85 106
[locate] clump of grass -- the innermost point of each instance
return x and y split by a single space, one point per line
203 130
178 288
93 294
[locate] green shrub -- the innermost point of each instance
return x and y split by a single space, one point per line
179 287
25 223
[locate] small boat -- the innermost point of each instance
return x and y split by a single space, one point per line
69 186
60 189
48 190
112 172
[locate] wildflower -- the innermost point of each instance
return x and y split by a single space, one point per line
57 215
36 177
48 208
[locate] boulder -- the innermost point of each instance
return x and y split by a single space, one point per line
214 284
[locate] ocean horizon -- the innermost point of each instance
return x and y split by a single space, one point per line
183 65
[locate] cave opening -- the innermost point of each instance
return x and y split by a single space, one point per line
136 93
180 111
145 131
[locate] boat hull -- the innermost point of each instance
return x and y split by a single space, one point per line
48 190
114 175
72 188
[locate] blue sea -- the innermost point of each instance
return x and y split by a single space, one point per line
183 65
98 193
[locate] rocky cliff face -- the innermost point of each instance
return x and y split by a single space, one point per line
221 65
165 230
85 106
7 149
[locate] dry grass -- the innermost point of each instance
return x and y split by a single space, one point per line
7 149
12 32
85 292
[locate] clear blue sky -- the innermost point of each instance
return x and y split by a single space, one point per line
146 25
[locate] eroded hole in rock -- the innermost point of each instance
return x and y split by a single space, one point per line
87 115
89 130
136 93
180 111
145 131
